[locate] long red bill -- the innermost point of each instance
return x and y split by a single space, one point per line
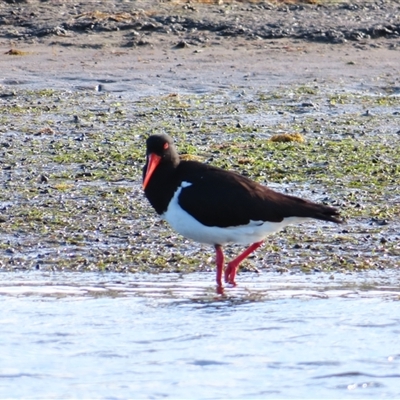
152 164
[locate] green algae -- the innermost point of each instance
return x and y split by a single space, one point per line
89 212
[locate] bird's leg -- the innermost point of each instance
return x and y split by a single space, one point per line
219 260
231 269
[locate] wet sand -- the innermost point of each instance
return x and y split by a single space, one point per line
195 47
149 71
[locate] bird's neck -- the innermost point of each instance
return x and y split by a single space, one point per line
162 186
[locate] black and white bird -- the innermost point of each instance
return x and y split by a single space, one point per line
218 207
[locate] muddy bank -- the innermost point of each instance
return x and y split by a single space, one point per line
71 175
153 23
77 107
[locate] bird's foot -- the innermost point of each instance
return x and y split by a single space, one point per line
230 273
220 290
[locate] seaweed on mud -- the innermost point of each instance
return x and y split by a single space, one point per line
71 171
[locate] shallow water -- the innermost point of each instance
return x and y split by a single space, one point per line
71 335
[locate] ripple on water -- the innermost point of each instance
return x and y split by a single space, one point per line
132 336
199 287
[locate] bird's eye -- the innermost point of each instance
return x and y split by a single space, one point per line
166 145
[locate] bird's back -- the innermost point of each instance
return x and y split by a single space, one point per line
226 198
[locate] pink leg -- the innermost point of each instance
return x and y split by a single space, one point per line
219 260
231 269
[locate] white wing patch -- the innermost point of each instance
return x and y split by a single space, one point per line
185 184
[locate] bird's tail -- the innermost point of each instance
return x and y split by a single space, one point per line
308 209
326 213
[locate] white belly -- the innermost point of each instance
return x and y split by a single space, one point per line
183 223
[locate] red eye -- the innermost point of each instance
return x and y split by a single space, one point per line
166 145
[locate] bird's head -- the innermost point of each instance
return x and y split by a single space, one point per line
160 149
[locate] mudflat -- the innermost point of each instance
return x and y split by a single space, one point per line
83 84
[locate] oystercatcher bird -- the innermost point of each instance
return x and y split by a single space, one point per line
214 206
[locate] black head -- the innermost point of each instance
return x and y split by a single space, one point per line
161 145
161 156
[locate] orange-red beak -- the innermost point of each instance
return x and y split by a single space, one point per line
152 164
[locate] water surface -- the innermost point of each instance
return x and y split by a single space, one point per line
111 336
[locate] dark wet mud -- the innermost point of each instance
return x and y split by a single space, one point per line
153 23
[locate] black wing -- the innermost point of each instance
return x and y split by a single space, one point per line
223 198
